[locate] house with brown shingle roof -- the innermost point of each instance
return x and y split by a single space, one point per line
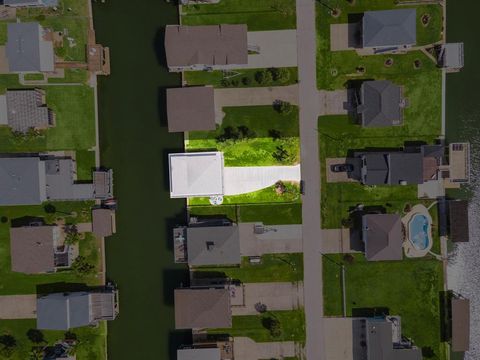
103 222
383 237
199 308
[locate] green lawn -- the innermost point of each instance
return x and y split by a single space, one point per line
335 68
18 283
235 78
258 15
292 324
268 129
274 268
85 162
72 76
409 288
90 340
269 214
34 77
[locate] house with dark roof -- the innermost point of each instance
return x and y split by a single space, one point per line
191 109
205 46
28 50
25 110
202 308
389 29
382 236
103 222
380 104
460 322
64 311
458 221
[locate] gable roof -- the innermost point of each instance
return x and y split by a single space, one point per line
22 181
405 167
206 45
213 245
191 109
26 49
63 311
32 249
380 104
102 222
390 28
202 308
26 109
377 168
460 324
382 235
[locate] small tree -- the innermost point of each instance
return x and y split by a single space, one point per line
280 154
229 133
35 336
273 325
283 107
70 336
274 134
50 209
82 267
71 230
246 80
280 187
9 344
263 77
245 132
280 74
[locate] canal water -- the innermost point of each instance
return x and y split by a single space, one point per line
463 123
135 143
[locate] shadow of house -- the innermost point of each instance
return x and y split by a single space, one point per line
374 312
28 221
176 339
355 39
63 287
172 279
159 47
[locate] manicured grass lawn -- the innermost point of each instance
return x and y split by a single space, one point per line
72 76
409 288
274 268
258 15
335 68
85 162
235 78
259 147
18 283
292 324
90 341
34 77
268 195
269 214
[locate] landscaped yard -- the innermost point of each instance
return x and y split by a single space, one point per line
258 15
335 68
273 268
85 163
12 283
252 136
90 341
409 288
269 214
292 324
238 78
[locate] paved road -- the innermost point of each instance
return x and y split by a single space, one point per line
309 111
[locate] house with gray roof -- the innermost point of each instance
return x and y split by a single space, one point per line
64 311
31 180
213 245
27 49
389 29
29 3
205 46
26 109
200 308
382 236
380 104
191 109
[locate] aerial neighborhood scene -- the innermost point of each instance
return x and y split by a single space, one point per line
239 180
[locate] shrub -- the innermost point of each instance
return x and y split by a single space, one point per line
35 336
273 325
263 77
82 267
245 132
246 80
283 107
4 219
50 209
280 74
274 134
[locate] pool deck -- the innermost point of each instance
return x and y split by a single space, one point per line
410 250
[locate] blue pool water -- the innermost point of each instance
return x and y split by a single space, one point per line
418 229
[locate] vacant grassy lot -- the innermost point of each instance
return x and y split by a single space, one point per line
269 214
236 78
17 283
274 268
334 69
251 136
253 326
90 341
258 15
409 288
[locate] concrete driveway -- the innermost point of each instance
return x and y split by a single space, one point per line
276 296
336 241
18 307
244 179
338 338
276 239
275 49
333 102
247 349
337 176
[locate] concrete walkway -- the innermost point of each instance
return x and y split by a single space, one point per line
245 179
18 307
247 349
277 296
312 238
277 239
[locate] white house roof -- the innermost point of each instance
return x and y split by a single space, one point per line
196 174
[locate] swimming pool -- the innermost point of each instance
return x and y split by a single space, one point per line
419 229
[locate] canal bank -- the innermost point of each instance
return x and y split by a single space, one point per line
463 124
134 142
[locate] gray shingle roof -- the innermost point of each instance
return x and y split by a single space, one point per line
390 28
377 168
380 104
22 181
216 245
60 182
30 2
406 167
382 234
63 311
458 219
26 109
26 49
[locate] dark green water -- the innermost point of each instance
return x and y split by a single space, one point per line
135 143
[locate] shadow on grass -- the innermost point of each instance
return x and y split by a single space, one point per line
370 312
62 287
